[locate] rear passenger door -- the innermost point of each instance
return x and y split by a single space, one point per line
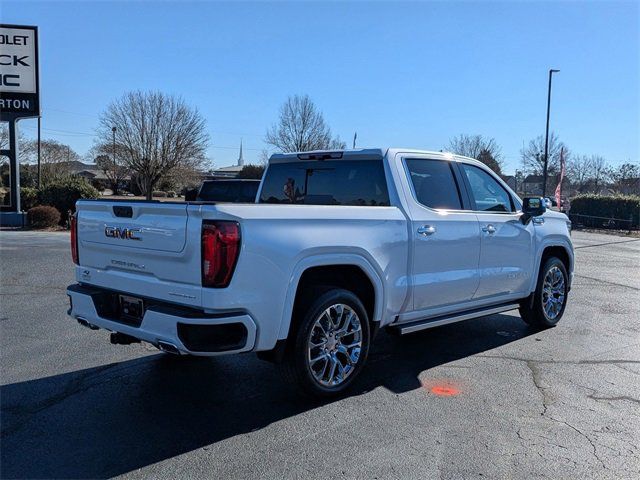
506 259
446 240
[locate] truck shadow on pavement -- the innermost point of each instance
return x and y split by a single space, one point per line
113 419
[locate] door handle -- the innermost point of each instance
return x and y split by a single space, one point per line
427 230
489 229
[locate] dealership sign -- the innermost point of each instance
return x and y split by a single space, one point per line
19 85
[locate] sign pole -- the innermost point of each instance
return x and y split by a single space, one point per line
39 170
15 165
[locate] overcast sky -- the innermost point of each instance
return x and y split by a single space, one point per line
400 74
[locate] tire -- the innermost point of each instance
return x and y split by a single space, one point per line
552 283
323 358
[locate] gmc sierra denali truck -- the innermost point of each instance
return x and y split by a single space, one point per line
337 245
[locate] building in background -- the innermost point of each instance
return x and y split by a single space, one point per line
232 171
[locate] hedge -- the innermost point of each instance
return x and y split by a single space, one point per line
28 198
623 207
43 217
64 194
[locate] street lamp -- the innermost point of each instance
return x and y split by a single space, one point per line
113 130
546 137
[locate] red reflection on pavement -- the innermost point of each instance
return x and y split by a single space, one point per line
445 390
442 387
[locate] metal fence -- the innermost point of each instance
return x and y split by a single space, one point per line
590 221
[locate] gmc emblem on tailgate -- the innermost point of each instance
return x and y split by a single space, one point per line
123 233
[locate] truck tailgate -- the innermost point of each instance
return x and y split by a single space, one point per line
141 248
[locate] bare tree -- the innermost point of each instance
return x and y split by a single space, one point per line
56 159
301 128
578 172
26 146
110 160
157 133
599 172
263 156
626 178
483 149
532 156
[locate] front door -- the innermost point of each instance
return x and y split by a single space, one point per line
446 240
506 249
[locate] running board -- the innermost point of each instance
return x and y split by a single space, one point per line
404 328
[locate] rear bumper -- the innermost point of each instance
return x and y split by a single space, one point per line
190 331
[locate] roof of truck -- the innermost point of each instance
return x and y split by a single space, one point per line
362 153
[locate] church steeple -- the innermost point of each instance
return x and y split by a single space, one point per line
240 158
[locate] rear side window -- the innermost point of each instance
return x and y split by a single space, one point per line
486 192
434 184
328 182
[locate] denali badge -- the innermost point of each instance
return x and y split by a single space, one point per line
123 233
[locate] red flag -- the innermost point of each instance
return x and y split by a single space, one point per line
558 194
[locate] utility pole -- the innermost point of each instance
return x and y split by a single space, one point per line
39 168
113 131
546 137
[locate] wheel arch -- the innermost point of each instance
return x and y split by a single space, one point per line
554 249
346 268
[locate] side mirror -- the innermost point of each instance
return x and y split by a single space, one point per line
191 195
532 207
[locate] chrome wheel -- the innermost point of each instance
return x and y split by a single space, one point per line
553 293
334 345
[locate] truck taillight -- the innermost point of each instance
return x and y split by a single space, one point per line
74 239
220 250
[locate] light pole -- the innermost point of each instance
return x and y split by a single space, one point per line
546 136
113 130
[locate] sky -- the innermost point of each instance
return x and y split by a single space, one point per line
399 74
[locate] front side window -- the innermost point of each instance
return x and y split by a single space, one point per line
326 182
434 184
486 192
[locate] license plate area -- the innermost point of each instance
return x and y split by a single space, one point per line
131 308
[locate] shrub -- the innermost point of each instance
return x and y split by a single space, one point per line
623 207
43 216
28 198
171 194
159 194
64 194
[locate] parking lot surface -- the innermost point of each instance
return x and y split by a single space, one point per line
485 398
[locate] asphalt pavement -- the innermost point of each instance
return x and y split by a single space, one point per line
485 398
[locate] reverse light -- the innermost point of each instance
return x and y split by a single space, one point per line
220 250
74 239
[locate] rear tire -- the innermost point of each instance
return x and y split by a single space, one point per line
550 297
330 344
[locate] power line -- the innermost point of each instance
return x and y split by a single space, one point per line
63 132
97 117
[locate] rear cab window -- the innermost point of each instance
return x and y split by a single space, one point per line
326 182
434 183
229 191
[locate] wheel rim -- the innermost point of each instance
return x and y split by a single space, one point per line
334 345
553 293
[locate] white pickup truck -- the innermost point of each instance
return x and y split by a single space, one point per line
337 245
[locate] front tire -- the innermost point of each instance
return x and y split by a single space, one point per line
330 344
550 297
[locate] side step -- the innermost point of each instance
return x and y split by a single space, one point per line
405 328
